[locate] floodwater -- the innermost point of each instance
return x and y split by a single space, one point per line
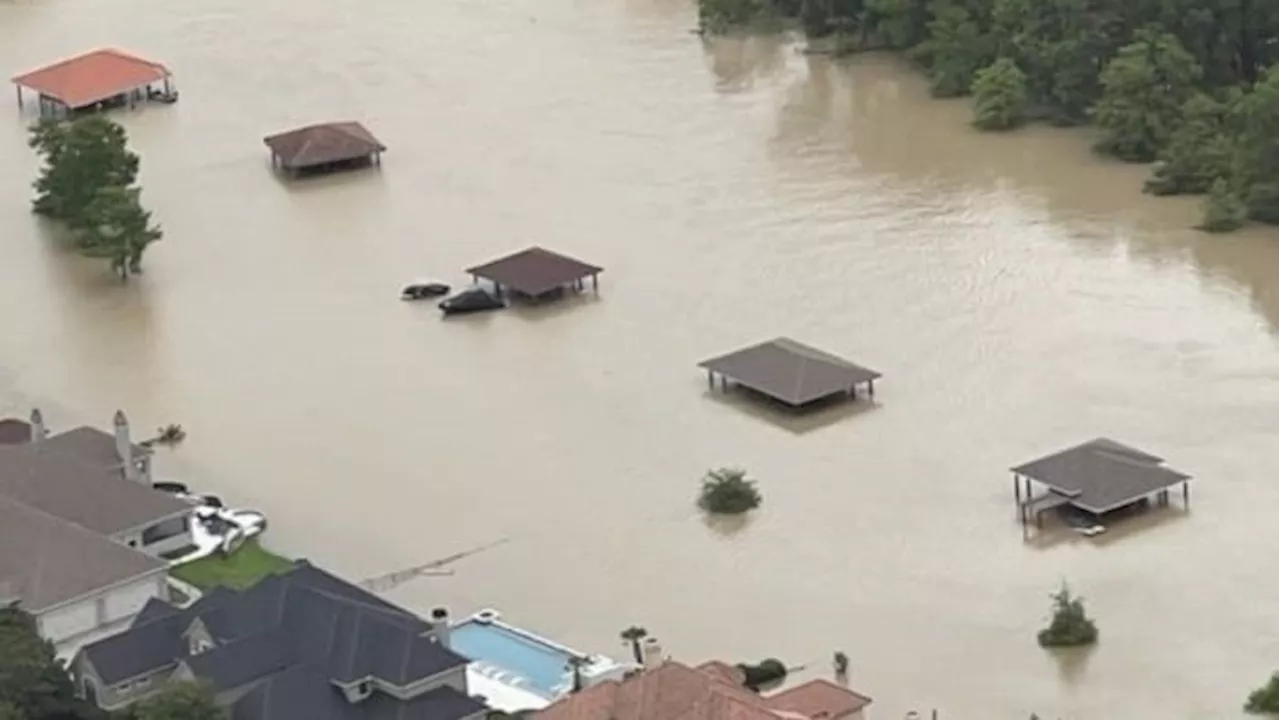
1018 293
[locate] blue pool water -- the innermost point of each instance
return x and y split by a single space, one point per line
544 667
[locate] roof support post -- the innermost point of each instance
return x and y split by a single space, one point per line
1186 494
19 89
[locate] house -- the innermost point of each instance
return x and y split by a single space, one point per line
76 583
97 480
83 532
674 691
304 644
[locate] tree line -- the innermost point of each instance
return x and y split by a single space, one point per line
89 183
1187 84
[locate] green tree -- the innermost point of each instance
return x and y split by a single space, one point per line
999 96
1224 210
632 636
899 24
33 683
1254 169
116 227
720 16
1265 699
1070 625
179 701
1198 151
1058 44
727 491
957 47
80 157
1144 88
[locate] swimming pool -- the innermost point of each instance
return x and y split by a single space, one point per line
543 667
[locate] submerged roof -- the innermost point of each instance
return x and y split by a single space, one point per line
789 371
93 76
1102 474
46 561
535 271
295 634
323 143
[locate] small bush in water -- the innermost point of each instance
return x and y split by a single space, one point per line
1070 626
727 491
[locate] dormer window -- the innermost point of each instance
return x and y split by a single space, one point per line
198 638
359 691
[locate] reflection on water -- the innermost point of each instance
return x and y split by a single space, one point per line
1018 293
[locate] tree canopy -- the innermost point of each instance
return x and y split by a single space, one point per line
87 182
1190 83
33 683
178 701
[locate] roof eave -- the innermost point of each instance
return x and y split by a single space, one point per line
158 569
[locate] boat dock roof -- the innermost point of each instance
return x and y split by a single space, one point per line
789 371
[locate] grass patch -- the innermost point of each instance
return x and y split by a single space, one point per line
246 566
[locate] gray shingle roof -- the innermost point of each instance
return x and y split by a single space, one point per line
1101 475
14 431
789 371
51 477
48 561
305 692
92 446
323 143
304 618
534 271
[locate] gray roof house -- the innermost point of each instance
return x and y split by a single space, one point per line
82 530
57 563
304 645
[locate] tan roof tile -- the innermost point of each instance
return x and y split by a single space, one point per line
672 691
818 700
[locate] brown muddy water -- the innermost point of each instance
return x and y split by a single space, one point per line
1019 294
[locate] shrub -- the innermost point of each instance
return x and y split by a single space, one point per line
1223 209
770 670
1070 626
1265 699
727 491
999 96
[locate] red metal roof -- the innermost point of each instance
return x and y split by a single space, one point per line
93 76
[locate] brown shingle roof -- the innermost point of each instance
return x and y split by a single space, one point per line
722 671
671 691
323 143
92 496
46 561
1102 474
535 271
818 700
789 371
